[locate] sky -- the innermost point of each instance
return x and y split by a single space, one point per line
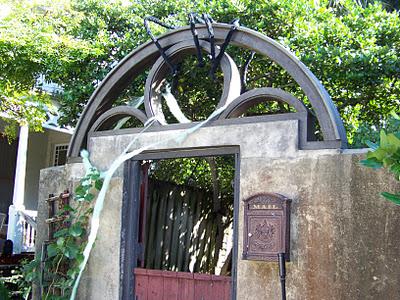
5 9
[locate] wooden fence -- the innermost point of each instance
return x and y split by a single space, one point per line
182 231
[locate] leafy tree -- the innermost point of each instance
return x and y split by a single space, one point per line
35 41
353 49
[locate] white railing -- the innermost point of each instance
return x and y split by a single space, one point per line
28 229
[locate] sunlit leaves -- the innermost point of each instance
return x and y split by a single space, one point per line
353 50
35 40
392 197
386 154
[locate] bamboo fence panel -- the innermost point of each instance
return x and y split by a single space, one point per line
181 229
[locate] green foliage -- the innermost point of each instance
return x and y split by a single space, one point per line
367 133
353 49
65 252
34 41
22 108
20 282
386 154
197 172
4 292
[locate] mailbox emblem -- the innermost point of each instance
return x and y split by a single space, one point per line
266 227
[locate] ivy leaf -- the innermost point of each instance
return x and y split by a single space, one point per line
52 250
373 163
372 145
98 184
71 251
89 197
392 197
60 241
79 258
76 230
67 208
86 182
61 232
80 191
95 175
72 273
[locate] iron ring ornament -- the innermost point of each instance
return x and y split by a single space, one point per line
179 42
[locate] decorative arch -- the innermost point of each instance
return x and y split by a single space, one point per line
146 55
259 95
114 114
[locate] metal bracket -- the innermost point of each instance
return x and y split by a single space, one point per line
192 18
155 41
217 60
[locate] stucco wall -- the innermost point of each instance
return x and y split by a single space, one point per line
344 242
101 277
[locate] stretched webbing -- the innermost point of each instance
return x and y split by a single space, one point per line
134 102
107 175
173 106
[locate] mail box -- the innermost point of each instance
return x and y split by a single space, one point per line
266 227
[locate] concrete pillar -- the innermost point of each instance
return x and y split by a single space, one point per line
14 231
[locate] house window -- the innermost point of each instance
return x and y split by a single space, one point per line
60 154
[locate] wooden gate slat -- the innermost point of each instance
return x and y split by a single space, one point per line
153 208
221 287
170 286
202 286
141 283
156 285
186 286
159 245
183 232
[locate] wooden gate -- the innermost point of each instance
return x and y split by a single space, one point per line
168 285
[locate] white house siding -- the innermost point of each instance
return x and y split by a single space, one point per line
8 156
36 160
40 156
55 138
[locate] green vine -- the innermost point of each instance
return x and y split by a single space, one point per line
65 252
